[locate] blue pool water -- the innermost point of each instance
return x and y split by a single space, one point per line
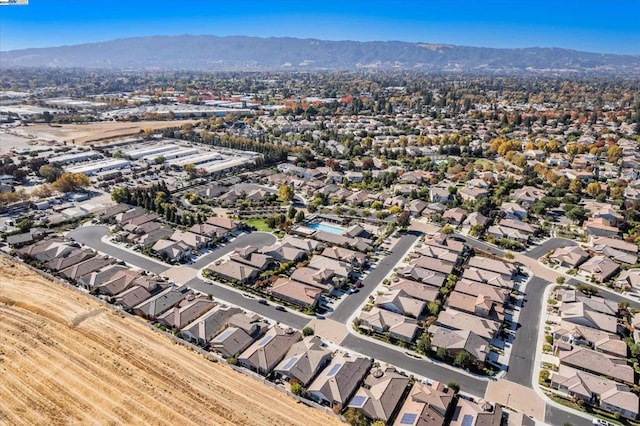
321 226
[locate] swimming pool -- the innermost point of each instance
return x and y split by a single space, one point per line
322 226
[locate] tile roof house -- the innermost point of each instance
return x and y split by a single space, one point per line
598 363
324 279
629 279
97 278
441 240
598 244
415 289
580 314
304 360
456 320
355 258
528 195
476 218
455 215
480 305
569 257
342 269
382 321
263 355
231 341
284 252
77 271
380 393
426 405
250 256
599 227
234 271
455 341
186 311
468 412
594 303
399 302
597 339
523 227
438 253
161 302
433 264
502 232
222 222
171 250
600 267
131 297
487 277
71 258
513 211
190 239
507 270
295 292
201 330
339 380
422 275
473 288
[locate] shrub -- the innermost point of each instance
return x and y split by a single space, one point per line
307 331
548 338
454 386
544 375
560 280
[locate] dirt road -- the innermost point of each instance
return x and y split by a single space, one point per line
66 359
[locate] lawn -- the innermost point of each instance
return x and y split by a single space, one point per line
259 224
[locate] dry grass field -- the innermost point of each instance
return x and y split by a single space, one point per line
66 359
83 134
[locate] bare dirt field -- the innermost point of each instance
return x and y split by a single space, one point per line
83 134
66 359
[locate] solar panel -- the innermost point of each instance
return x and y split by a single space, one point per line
408 419
467 420
290 363
358 401
224 335
266 340
334 370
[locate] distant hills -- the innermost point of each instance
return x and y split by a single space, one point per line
207 52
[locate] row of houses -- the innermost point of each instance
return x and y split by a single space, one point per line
591 355
475 309
318 267
602 261
144 229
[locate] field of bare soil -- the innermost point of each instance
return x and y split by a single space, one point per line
83 134
66 359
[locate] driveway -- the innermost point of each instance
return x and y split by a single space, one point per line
346 307
91 236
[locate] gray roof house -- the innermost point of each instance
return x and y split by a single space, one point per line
337 383
304 360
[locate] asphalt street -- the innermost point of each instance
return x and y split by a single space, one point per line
352 301
525 342
419 366
480 245
551 244
249 302
92 236
258 239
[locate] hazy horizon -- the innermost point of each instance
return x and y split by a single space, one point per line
587 25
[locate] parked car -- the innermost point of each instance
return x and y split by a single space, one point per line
280 308
263 302
601 422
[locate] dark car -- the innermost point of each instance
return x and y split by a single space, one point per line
263 302
280 308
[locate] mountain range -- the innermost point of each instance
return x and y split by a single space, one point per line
240 53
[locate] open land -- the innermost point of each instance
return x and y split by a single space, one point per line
82 134
66 359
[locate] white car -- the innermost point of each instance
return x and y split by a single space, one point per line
601 422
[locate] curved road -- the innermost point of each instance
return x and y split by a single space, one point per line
521 363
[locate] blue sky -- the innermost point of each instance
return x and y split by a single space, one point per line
597 26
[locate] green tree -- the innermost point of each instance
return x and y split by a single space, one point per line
297 389
121 195
424 344
463 360
299 216
434 307
50 173
447 229
442 353
576 214
159 159
190 169
476 230
355 417
308 331
593 189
